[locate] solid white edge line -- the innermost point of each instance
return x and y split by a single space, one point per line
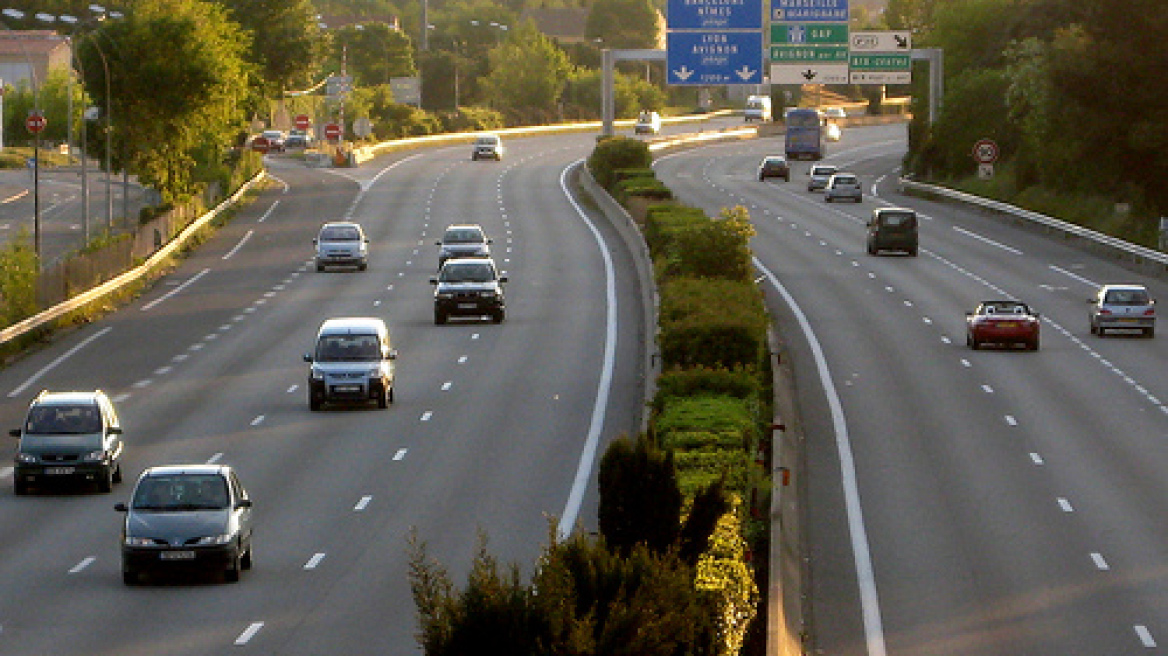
52 365
592 442
861 553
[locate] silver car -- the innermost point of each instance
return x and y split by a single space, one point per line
1122 307
341 243
843 185
820 174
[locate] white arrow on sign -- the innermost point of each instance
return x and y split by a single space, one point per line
683 73
746 73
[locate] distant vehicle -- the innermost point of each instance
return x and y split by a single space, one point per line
341 243
351 362
68 437
190 518
647 123
892 229
835 113
463 240
843 185
833 132
1002 322
469 287
487 146
805 134
275 140
298 141
1118 307
820 174
774 166
758 108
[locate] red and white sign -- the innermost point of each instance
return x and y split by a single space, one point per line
985 151
260 144
302 121
35 123
332 132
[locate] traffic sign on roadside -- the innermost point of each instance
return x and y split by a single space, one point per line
880 41
332 132
260 144
985 151
810 73
782 53
822 11
35 122
302 121
835 34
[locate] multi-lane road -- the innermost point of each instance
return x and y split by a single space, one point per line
489 430
958 502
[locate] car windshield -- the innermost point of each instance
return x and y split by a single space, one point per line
181 492
1126 297
348 348
463 236
487 141
844 180
63 419
340 233
467 272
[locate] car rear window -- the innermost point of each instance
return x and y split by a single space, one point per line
898 219
1126 297
340 233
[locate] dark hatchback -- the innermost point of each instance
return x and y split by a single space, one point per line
774 166
187 519
892 229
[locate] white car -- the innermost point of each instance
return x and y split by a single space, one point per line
843 185
1122 307
832 132
648 123
487 146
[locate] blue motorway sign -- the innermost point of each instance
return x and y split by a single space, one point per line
809 11
698 58
714 15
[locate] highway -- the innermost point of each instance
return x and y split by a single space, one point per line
490 427
956 502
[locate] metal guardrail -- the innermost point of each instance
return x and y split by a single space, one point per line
1141 258
114 284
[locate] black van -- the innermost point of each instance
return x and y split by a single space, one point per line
892 229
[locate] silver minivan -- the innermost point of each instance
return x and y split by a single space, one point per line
843 185
351 362
341 243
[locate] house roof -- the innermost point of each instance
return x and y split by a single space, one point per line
31 43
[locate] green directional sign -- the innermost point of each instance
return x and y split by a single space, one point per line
809 33
881 62
786 53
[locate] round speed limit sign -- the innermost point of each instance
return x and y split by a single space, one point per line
985 151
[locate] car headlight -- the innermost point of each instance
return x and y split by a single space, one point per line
26 458
131 541
445 295
213 540
94 456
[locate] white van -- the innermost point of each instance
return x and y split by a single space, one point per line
758 108
351 361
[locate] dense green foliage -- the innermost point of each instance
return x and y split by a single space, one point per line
616 154
640 503
1065 88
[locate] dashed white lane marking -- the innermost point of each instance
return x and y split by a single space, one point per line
85 562
314 561
1100 561
190 281
1036 459
362 503
215 458
427 415
258 420
243 240
1145 636
401 454
272 208
1011 420
987 389
987 240
1065 505
462 359
249 633
446 386
292 389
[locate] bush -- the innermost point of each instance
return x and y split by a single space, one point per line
711 323
639 499
716 249
616 153
740 382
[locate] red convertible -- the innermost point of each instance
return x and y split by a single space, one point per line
1002 322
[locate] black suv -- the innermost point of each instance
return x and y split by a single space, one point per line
69 436
469 287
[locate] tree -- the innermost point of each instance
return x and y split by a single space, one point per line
528 75
285 40
624 23
51 97
640 502
178 77
374 53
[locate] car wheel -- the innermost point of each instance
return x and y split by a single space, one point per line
973 343
383 399
859 199
231 574
439 317
362 266
498 316
1149 332
246 561
1094 330
390 396
130 577
1099 330
827 199
105 484
912 252
313 403
319 268
118 473
19 488
1032 344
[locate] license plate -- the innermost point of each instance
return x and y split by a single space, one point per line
467 306
177 555
346 389
59 471
1007 324
1129 319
